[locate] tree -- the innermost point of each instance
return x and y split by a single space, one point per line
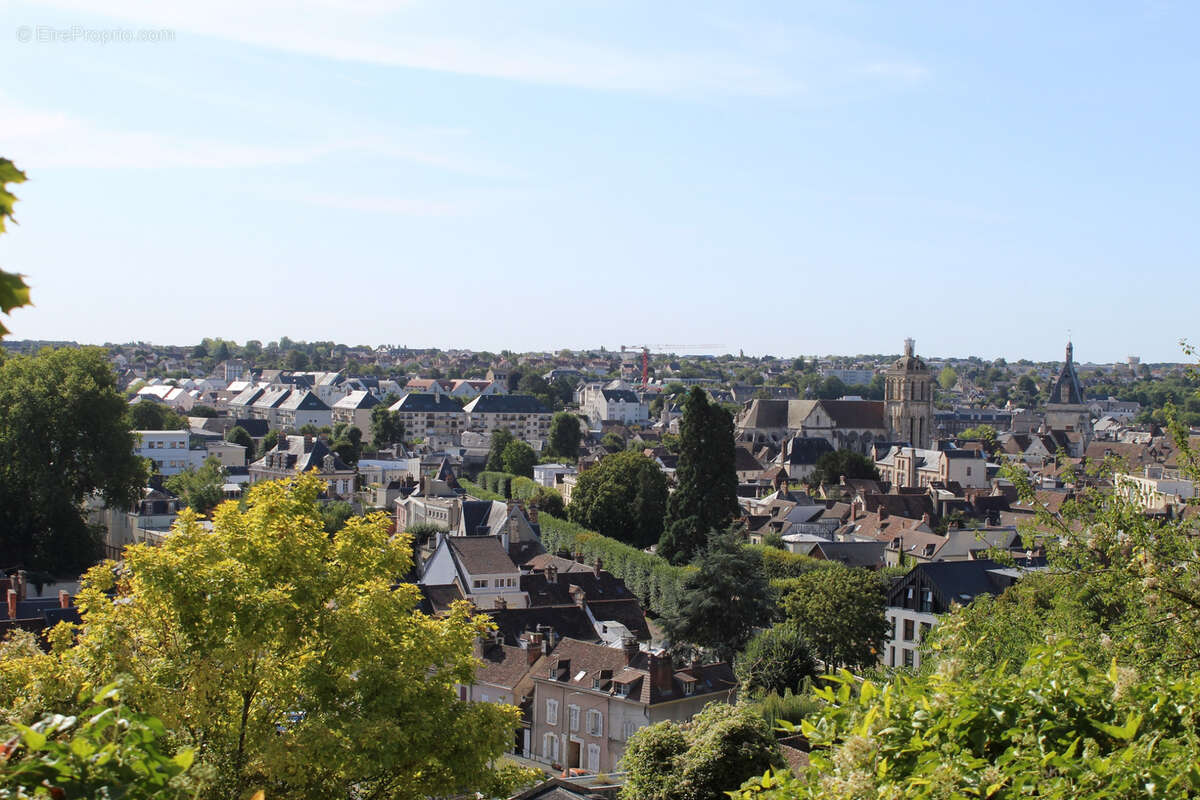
713 754
564 435
947 378
239 435
14 293
831 387
832 467
151 415
268 442
981 433
501 437
199 488
288 659
840 612
775 660
297 360
518 458
199 410
347 443
623 497
386 427
335 514
612 443
64 437
705 496
723 601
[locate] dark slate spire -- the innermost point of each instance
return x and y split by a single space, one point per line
1066 390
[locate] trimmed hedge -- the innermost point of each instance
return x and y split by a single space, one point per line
782 564
657 584
497 482
475 490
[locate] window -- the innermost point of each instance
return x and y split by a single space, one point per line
908 657
573 718
551 712
927 600
550 747
628 729
483 698
593 758
908 630
480 584
925 626
595 723
689 687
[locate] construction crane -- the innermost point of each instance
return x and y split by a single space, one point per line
645 348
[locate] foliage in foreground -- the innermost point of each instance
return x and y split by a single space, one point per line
109 750
720 748
268 641
1059 727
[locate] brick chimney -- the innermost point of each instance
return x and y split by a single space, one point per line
12 603
533 515
883 513
925 518
629 646
64 599
578 596
501 602
551 574
662 672
531 643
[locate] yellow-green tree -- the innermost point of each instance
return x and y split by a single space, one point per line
288 659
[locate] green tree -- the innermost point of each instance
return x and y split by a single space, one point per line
268 442
64 436
199 410
386 427
199 488
501 438
831 387
297 360
335 514
288 659
623 497
518 458
832 467
612 443
564 435
776 660
14 293
150 415
840 612
715 753
947 378
705 496
239 435
347 443
723 601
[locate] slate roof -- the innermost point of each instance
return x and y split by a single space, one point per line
357 400
257 428
805 450
475 515
506 404
856 413
619 395
1066 389
303 400
437 598
503 665
954 581
423 402
481 555
854 554
569 621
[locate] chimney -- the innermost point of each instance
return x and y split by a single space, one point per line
578 595
925 518
533 515
12 603
853 512
551 574
883 513
598 566
501 603
547 638
629 646
662 673
531 643
64 599
307 442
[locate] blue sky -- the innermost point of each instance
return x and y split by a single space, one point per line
783 178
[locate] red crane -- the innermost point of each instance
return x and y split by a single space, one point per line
645 348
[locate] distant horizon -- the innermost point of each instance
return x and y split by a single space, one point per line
13 340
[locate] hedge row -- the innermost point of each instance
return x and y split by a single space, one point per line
475 490
657 584
497 482
780 564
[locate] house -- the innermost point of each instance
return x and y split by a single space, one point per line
430 416
903 466
917 601
800 455
550 475
295 454
589 699
1153 490
355 409
468 389
301 407
523 415
148 521
169 450
480 567
614 402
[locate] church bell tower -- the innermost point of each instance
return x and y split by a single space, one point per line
908 399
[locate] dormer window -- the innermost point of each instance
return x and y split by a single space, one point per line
596 683
689 688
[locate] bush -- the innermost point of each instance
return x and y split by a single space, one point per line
790 707
776 660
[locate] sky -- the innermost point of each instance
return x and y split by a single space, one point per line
774 177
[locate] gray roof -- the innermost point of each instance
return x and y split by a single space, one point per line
481 555
423 402
303 400
506 404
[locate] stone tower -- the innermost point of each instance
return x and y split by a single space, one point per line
1066 409
908 399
